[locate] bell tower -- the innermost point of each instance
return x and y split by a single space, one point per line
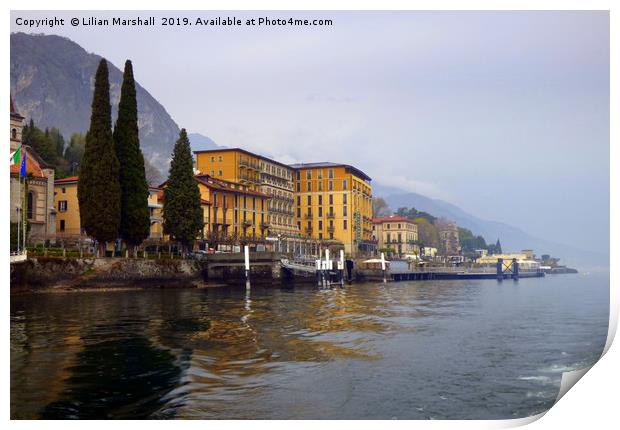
17 124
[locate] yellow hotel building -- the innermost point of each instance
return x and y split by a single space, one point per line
256 173
334 203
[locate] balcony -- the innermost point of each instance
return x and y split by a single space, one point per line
308 217
331 215
331 229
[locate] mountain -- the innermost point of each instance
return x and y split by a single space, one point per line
200 142
511 238
52 81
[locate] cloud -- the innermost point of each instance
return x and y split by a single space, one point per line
413 185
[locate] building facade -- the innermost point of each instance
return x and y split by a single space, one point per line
67 207
334 203
397 233
256 173
33 194
155 212
449 243
232 212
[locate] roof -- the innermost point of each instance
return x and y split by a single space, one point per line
328 164
262 157
67 180
222 185
380 220
34 165
14 112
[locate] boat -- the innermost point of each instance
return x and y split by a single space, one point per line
303 270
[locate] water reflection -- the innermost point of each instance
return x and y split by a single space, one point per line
407 350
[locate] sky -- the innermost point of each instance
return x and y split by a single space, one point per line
505 114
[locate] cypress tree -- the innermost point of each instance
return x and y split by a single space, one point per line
98 187
182 212
135 216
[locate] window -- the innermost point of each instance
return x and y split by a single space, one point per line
319 174
64 190
330 185
212 159
62 225
219 172
320 200
344 224
219 158
331 199
320 186
344 199
320 225
62 206
298 187
298 200
298 175
308 174
330 173
320 211
344 184
14 133
309 200
298 212
309 186
30 207
344 211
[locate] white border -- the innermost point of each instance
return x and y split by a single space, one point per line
592 403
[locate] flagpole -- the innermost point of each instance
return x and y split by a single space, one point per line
22 172
19 215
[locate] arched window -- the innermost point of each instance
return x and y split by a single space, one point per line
13 133
30 211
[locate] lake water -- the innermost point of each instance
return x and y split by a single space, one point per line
407 350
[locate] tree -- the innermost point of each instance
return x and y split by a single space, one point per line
380 207
40 141
98 187
135 217
74 152
469 242
498 247
182 213
427 233
153 175
57 140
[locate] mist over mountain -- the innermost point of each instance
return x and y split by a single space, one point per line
52 81
200 142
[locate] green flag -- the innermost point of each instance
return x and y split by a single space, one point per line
16 156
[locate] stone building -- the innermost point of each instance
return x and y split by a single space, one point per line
449 244
35 192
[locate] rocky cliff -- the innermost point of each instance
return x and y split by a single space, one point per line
52 80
